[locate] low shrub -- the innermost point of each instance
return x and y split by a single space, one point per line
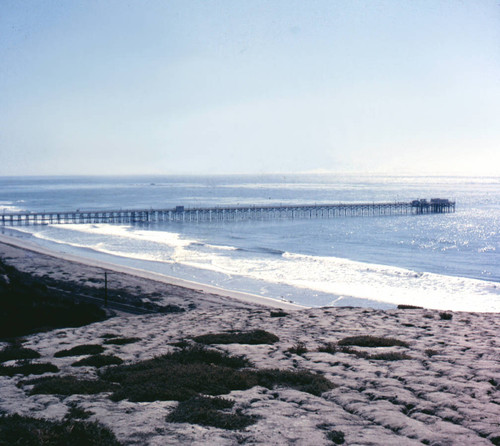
409 307
184 374
238 337
25 431
429 352
79 350
445 316
278 313
98 361
389 356
76 412
179 376
28 369
121 341
336 437
298 349
372 341
206 411
68 385
17 352
301 380
329 347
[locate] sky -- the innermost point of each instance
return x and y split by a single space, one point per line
210 87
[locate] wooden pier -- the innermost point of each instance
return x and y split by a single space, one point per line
229 213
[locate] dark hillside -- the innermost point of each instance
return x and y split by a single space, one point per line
27 305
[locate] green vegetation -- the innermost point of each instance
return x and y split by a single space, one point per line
28 369
207 412
178 376
238 337
372 341
298 349
329 347
185 374
76 412
121 341
98 361
278 313
389 356
24 431
301 380
28 305
68 385
336 437
79 350
17 352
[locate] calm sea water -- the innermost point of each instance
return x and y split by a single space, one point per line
446 261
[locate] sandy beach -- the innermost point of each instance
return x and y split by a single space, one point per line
440 386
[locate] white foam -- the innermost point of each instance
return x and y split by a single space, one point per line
336 276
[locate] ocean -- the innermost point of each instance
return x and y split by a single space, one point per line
441 261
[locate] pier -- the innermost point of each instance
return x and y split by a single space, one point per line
229 213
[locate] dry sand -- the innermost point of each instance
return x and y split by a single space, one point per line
447 394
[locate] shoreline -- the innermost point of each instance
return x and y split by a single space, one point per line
247 298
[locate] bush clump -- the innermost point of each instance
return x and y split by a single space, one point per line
446 316
337 437
28 369
17 352
184 374
278 313
372 341
68 385
121 341
238 337
298 349
178 376
409 307
79 350
329 347
98 361
206 411
389 356
301 380
25 431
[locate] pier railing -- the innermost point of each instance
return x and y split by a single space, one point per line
229 213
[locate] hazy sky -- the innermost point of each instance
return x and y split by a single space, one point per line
164 86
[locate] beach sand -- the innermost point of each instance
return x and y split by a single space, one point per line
448 393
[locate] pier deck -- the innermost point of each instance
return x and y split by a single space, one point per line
229 213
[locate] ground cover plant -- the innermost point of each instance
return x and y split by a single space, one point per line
17 352
184 374
28 305
28 368
67 385
372 341
208 412
121 341
98 361
278 313
238 337
25 431
298 349
80 350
